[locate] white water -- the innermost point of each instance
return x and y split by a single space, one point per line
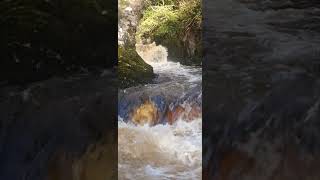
152 54
162 151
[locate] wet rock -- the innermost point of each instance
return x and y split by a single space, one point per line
153 107
147 113
132 69
189 113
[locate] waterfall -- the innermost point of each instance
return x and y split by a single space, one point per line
152 53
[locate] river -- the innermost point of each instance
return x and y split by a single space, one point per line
160 125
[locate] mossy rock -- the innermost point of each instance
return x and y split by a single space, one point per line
132 70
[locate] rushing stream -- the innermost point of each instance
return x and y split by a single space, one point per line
160 124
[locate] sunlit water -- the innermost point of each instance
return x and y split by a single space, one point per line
163 151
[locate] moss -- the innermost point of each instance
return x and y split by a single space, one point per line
176 25
150 26
132 69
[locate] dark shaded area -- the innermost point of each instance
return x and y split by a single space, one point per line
58 88
261 90
55 116
40 39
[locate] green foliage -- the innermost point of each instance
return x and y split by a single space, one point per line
171 22
191 13
171 19
162 2
159 22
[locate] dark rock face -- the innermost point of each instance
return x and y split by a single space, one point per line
41 39
261 89
47 130
56 121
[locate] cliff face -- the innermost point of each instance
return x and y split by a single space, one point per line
132 69
261 89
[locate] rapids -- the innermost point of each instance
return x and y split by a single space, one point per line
160 124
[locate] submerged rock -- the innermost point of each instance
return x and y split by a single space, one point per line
147 113
152 107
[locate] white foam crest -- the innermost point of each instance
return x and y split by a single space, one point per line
157 57
181 140
165 151
176 70
152 53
